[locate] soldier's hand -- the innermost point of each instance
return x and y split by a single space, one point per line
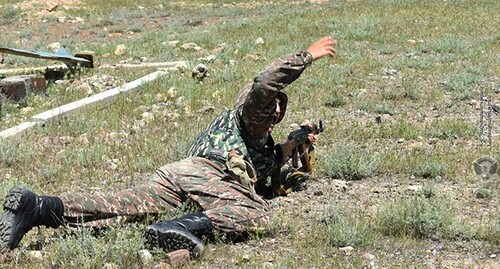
311 138
280 191
323 47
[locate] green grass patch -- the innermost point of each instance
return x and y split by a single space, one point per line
417 217
347 229
348 162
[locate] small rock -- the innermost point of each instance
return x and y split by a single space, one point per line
400 141
145 256
190 46
54 46
220 48
433 141
370 256
232 62
414 188
180 101
252 56
110 265
147 116
178 257
390 72
208 59
245 258
173 43
496 107
473 102
206 110
120 50
411 42
493 256
217 95
171 92
53 8
61 19
200 72
26 110
347 250
35 254
259 40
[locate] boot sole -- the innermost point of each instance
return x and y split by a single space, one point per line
14 199
173 240
13 203
6 228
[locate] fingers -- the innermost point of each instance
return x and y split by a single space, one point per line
331 51
323 47
328 41
312 138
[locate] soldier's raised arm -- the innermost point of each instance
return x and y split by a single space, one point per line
256 103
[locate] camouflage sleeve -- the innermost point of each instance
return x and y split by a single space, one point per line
255 104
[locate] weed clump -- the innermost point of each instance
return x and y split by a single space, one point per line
347 229
417 217
349 163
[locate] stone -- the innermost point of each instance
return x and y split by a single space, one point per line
190 46
220 48
172 92
173 43
32 83
178 258
13 88
54 46
110 266
145 256
199 72
36 254
496 107
53 8
120 50
259 40
26 110
414 188
208 59
411 42
347 250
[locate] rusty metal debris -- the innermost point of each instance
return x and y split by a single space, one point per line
82 59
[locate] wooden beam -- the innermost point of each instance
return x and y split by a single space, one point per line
165 66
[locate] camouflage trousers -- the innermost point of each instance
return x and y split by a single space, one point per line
230 206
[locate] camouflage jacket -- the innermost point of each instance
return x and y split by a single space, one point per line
245 128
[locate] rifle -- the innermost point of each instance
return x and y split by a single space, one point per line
302 151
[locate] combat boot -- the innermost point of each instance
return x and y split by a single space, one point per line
181 233
23 210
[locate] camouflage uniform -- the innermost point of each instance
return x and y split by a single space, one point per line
203 178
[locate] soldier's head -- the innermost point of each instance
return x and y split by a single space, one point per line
280 108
